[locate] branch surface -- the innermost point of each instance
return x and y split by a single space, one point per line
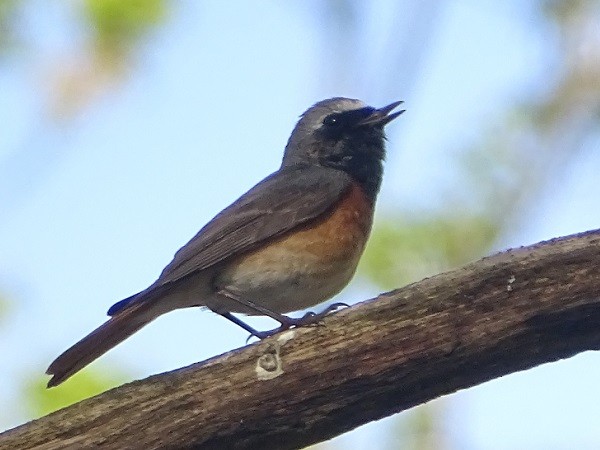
499 315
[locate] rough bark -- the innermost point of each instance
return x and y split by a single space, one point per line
501 314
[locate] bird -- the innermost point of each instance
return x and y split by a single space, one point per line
291 242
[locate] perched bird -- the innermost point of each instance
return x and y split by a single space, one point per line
290 242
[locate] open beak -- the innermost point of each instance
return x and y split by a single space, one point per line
381 116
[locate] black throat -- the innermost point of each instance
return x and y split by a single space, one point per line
368 172
359 152
365 167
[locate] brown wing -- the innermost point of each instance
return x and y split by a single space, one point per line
280 202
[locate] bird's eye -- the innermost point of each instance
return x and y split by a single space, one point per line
332 120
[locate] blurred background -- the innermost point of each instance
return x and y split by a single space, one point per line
125 125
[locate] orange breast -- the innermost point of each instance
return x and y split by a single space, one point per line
338 235
306 265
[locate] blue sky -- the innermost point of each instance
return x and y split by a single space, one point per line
205 115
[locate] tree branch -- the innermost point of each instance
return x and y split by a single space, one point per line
501 314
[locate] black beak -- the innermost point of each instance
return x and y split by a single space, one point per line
381 116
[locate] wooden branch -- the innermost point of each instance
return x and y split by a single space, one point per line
501 314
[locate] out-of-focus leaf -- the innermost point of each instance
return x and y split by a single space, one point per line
422 429
117 28
4 308
87 383
400 251
119 23
561 10
8 13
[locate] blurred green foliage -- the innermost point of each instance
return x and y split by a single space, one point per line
113 32
40 400
8 18
5 306
420 430
405 250
119 24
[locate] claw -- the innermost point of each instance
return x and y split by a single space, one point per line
309 318
312 318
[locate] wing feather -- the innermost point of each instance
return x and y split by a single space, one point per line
280 202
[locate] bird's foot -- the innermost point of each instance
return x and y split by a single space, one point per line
310 318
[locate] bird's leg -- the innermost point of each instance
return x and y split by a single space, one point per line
256 308
249 329
244 325
286 322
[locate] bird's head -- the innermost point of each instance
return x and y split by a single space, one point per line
343 134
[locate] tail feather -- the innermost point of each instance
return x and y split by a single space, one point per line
118 328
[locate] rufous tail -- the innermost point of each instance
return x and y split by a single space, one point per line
118 328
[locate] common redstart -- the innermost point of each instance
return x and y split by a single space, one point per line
290 242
